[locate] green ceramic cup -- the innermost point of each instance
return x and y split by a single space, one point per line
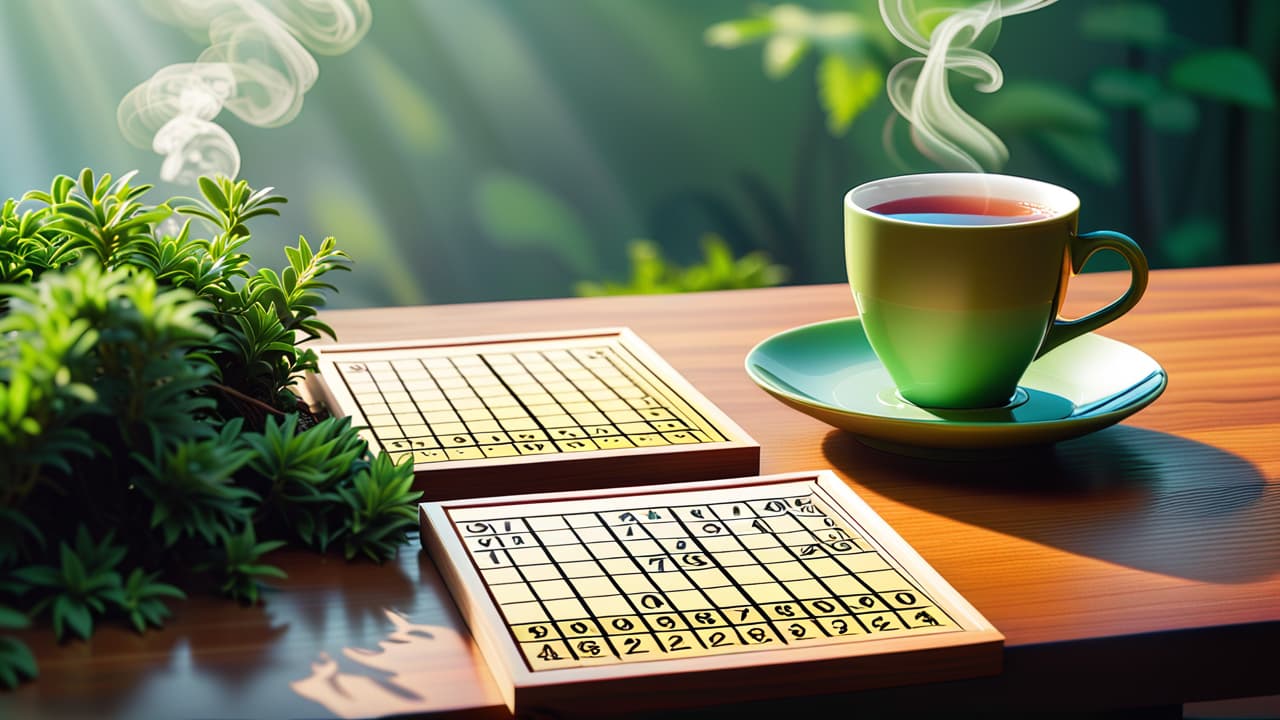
957 313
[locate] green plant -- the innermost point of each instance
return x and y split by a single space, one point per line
651 273
853 55
151 442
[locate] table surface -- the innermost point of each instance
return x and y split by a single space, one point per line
1136 566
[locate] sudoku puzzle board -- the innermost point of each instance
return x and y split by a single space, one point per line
668 580
484 403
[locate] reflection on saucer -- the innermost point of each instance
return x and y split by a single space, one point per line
829 371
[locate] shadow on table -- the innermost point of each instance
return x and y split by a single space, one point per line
405 663
1136 497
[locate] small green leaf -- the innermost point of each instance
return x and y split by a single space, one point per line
846 89
1137 23
73 614
518 214
735 33
1228 75
209 187
1031 107
16 660
1172 113
1086 153
11 619
782 53
1194 242
1122 87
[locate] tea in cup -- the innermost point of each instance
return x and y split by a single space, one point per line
959 280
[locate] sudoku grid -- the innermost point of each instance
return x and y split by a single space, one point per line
649 577
505 400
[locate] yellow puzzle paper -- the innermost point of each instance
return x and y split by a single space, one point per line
678 575
510 399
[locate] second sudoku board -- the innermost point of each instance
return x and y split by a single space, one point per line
494 415
530 403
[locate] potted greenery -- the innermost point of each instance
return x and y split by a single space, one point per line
151 442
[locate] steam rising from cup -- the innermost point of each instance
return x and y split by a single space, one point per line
258 66
918 87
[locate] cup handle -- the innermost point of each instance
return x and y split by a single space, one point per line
1082 248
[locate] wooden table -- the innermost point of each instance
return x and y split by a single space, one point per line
1138 567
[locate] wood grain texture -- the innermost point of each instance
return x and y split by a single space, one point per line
1136 566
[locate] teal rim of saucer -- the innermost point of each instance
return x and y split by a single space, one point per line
829 371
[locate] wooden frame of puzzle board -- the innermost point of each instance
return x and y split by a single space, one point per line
682 595
508 414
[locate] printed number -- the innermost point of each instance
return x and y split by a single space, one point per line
762 526
711 528
785 610
867 601
805 505
478 527
841 626
589 647
579 628
548 653
758 634
632 646
538 631
824 606
623 624
693 559
666 622
880 623
652 602
705 618
718 639
676 642
657 563
905 598
743 613
926 618
796 629
774 506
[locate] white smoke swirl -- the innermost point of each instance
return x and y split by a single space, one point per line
918 86
257 66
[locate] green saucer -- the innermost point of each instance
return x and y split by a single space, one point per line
829 371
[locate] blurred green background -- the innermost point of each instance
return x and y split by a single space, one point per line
476 150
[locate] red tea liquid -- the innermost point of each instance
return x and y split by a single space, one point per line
961 210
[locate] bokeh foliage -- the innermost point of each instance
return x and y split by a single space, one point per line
486 149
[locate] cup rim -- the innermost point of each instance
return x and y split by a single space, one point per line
1067 205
